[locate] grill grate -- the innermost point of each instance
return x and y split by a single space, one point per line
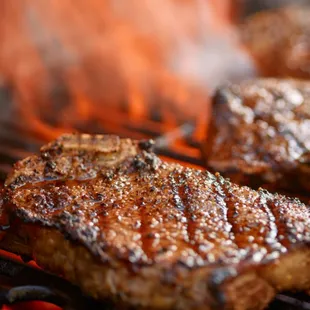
20 282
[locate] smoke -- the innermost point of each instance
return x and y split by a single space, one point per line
94 53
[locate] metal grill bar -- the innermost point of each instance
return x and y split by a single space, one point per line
20 282
295 302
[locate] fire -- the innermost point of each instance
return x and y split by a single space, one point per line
101 66
93 65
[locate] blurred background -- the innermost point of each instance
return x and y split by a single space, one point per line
87 65
92 65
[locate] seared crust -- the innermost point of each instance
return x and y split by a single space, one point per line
193 237
260 134
279 41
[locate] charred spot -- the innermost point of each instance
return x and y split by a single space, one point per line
23 214
68 236
50 166
26 162
235 214
149 159
193 217
93 214
67 218
115 205
150 235
36 171
103 204
59 149
157 201
46 155
138 163
152 188
162 250
55 150
146 145
152 161
98 197
170 216
20 180
104 213
107 175
85 196
43 202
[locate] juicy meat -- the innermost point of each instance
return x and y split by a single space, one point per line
110 216
279 41
260 134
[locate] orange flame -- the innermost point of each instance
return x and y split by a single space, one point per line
73 64
76 63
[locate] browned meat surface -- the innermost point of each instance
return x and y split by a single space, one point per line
279 41
110 216
260 134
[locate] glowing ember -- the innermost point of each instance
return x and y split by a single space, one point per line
35 305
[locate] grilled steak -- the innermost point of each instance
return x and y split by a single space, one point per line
279 41
251 7
260 134
111 217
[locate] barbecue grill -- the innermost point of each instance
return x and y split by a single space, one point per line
27 121
21 282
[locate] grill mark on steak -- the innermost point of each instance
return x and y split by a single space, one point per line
129 215
181 197
231 212
275 227
185 195
146 236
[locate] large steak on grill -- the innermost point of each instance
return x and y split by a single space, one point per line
110 216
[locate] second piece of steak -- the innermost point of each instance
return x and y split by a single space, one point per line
260 134
279 41
111 217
